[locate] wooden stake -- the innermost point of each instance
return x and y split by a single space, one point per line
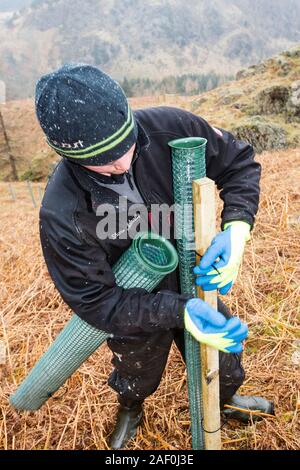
205 230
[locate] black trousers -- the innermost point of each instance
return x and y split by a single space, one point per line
140 361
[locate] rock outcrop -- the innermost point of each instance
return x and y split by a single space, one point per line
273 100
261 134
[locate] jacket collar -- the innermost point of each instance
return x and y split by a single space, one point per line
142 140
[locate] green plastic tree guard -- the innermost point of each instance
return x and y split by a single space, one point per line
188 162
149 258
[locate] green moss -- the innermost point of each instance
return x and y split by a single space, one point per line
39 168
251 349
287 417
261 133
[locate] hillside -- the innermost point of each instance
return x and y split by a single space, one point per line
134 38
261 106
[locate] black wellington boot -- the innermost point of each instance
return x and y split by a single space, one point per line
248 405
128 418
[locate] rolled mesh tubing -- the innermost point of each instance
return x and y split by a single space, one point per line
145 263
188 162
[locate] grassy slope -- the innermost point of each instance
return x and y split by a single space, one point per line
266 296
212 105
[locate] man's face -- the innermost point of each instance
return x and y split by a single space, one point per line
117 167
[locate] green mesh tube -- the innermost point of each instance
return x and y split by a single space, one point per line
145 263
188 162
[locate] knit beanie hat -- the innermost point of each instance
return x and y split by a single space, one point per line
85 115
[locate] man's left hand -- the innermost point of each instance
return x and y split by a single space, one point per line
218 268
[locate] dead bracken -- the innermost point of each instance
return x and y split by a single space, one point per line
266 296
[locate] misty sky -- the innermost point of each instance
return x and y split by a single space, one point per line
11 5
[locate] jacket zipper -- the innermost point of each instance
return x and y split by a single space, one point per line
128 176
140 189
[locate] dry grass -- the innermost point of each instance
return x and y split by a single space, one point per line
80 416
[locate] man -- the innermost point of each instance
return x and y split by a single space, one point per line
109 152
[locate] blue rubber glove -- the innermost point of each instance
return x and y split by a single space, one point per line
210 327
218 268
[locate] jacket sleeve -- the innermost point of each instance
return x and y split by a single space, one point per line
86 282
230 163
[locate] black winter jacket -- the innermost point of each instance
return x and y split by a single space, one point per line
80 264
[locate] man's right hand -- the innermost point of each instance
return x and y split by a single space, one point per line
210 327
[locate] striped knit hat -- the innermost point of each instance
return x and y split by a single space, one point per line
85 115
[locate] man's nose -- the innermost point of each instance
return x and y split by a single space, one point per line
122 166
